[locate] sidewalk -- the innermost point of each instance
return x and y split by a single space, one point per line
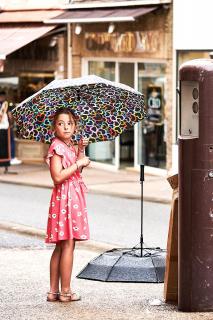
121 184
23 292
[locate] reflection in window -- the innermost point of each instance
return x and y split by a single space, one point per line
152 144
102 69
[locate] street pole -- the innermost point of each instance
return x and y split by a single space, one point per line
141 181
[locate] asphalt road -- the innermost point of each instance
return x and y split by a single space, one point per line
112 220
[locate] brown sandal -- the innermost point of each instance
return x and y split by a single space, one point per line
69 297
55 296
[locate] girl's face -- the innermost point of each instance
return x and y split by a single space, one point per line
64 126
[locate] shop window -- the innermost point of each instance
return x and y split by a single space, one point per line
126 76
102 151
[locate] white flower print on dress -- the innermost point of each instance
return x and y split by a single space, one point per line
67 205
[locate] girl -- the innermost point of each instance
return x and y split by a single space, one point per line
67 220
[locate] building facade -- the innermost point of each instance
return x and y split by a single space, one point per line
132 45
124 41
32 54
195 44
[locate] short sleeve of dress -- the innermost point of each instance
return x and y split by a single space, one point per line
57 148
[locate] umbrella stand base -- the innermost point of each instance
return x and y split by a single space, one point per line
127 265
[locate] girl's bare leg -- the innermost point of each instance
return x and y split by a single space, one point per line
55 268
66 264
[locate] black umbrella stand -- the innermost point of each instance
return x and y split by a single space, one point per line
137 264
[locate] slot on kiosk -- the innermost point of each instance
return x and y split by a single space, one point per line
195 217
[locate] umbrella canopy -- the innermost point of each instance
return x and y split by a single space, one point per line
126 265
104 109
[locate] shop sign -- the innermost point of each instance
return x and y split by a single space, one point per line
138 41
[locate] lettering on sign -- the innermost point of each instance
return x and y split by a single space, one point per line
139 41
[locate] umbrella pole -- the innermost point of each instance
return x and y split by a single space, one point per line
141 181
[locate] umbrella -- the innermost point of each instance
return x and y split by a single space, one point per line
126 265
104 108
137 264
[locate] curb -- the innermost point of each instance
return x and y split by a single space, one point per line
106 193
90 245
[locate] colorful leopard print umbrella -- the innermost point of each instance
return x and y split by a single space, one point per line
104 109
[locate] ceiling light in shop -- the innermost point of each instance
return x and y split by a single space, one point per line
111 28
78 29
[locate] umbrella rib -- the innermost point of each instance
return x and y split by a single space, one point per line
113 267
154 268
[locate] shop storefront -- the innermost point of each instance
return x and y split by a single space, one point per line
138 54
146 141
27 70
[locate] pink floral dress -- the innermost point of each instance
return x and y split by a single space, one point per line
67 212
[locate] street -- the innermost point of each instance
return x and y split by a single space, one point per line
112 220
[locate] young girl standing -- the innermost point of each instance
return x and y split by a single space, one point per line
67 220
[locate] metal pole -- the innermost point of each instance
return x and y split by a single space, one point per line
141 181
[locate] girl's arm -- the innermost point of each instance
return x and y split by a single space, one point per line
58 173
